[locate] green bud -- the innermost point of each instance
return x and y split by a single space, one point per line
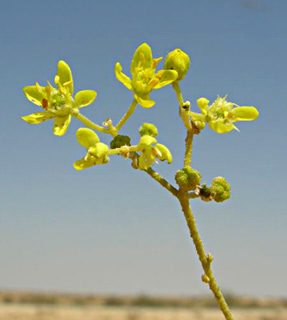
188 178
200 125
220 189
205 278
120 141
179 61
148 129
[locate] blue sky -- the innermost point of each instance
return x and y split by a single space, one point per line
111 229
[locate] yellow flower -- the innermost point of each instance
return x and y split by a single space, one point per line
150 153
96 150
58 103
144 75
222 114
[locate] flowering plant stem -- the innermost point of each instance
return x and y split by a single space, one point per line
127 115
183 196
205 259
60 104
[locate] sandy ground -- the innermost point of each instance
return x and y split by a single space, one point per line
30 312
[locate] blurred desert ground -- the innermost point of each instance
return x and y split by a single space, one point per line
40 306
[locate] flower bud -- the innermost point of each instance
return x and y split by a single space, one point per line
220 189
148 129
205 278
188 178
179 61
120 141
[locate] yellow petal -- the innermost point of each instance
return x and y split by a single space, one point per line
245 114
65 76
142 57
147 140
221 127
165 77
125 80
61 125
101 150
84 163
87 137
144 101
165 153
203 104
84 98
34 94
38 117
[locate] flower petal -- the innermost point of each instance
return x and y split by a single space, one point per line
65 76
87 137
84 163
38 117
221 127
165 153
146 140
142 57
245 114
144 101
84 98
125 80
34 94
203 104
165 77
61 125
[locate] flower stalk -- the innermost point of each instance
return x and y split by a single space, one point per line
61 105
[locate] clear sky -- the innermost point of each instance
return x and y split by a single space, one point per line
111 229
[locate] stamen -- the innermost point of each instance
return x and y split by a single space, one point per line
45 104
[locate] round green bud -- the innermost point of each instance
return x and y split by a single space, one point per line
220 189
188 178
148 129
120 141
179 61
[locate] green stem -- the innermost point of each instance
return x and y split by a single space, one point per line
156 176
127 115
188 147
122 150
192 195
90 124
183 106
177 90
205 262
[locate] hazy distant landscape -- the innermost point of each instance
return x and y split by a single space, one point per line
42 306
